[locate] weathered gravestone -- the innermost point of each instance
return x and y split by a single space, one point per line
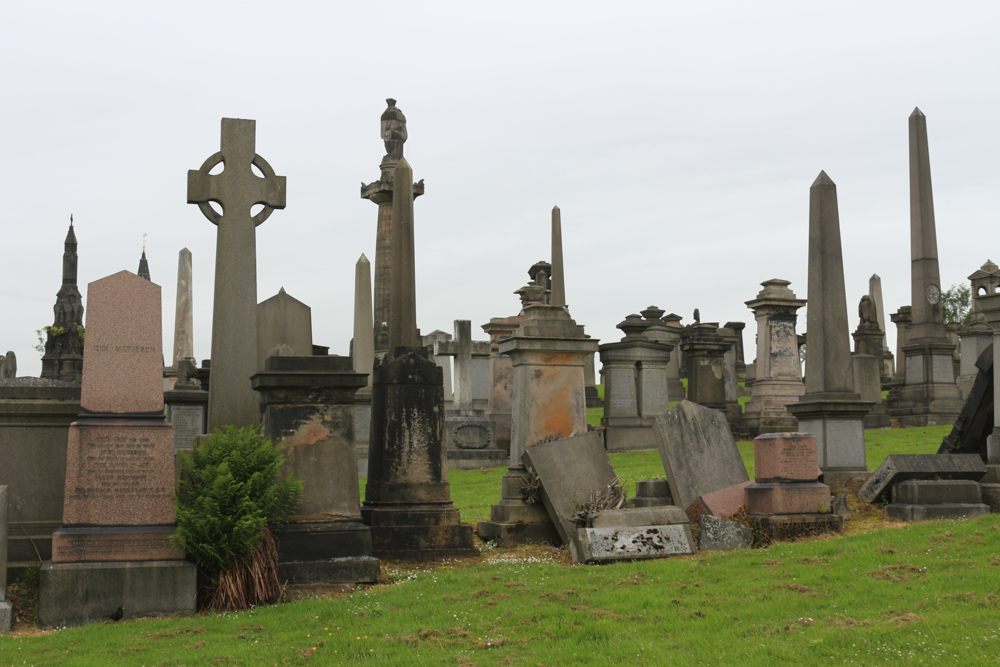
718 534
468 433
698 451
113 547
234 322
929 499
8 366
407 497
704 351
785 501
902 467
5 606
284 327
309 408
574 472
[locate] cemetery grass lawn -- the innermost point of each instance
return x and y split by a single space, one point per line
920 594
885 592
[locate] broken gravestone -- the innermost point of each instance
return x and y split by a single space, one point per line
698 451
583 496
901 467
717 534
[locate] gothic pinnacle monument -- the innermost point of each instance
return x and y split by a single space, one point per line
393 132
63 358
930 395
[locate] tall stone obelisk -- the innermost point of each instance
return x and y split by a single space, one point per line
830 410
407 497
393 131
184 314
363 355
930 395
558 295
875 292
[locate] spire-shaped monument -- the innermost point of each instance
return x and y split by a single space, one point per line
63 358
144 267
407 497
558 295
930 395
830 410
393 131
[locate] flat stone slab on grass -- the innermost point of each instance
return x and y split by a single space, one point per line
698 451
598 545
901 467
715 534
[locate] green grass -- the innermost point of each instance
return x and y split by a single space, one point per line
919 594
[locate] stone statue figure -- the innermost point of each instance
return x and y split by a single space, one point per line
393 130
697 316
187 374
866 310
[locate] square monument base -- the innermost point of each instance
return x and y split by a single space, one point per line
113 544
794 526
336 552
514 521
477 459
79 593
419 532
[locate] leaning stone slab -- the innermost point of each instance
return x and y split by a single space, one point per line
722 503
716 534
698 451
570 470
901 467
601 545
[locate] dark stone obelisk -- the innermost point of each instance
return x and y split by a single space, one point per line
830 409
930 395
407 497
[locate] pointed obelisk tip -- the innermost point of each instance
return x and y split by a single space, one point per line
917 113
822 179
555 209
363 259
875 277
403 164
282 290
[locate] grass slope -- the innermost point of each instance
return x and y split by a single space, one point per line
917 594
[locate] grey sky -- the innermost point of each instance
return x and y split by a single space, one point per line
679 140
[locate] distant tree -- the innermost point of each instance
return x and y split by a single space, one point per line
957 304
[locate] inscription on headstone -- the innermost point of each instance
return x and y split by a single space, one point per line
188 421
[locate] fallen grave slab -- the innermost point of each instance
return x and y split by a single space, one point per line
901 467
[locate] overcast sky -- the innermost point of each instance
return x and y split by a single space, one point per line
679 140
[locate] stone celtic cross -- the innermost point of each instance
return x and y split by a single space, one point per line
234 325
463 348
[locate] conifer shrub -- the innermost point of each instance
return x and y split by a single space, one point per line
229 504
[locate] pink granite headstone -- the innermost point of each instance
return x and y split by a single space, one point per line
785 457
120 455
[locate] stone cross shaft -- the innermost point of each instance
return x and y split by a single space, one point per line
463 348
234 330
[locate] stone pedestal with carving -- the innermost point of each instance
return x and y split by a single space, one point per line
705 350
548 352
309 408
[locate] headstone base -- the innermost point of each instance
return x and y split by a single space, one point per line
593 399
651 493
915 513
627 434
113 544
6 616
788 498
793 526
513 521
837 425
419 532
760 423
328 552
476 459
79 593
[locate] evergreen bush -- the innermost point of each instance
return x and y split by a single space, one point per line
230 501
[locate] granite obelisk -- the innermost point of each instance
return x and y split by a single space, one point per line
184 314
830 409
558 295
234 315
930 395
875 292
363 356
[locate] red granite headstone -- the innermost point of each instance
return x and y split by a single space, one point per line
120 455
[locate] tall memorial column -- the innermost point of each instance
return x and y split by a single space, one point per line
778 372
231 399
393 131
830 410
929 395
888 361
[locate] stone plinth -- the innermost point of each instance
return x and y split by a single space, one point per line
309 408
840 437
547 353
788 498
35 416
777 373
284 327
407 497
120 477
635 388
705 350
186 410
902 467
501 378
927 500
